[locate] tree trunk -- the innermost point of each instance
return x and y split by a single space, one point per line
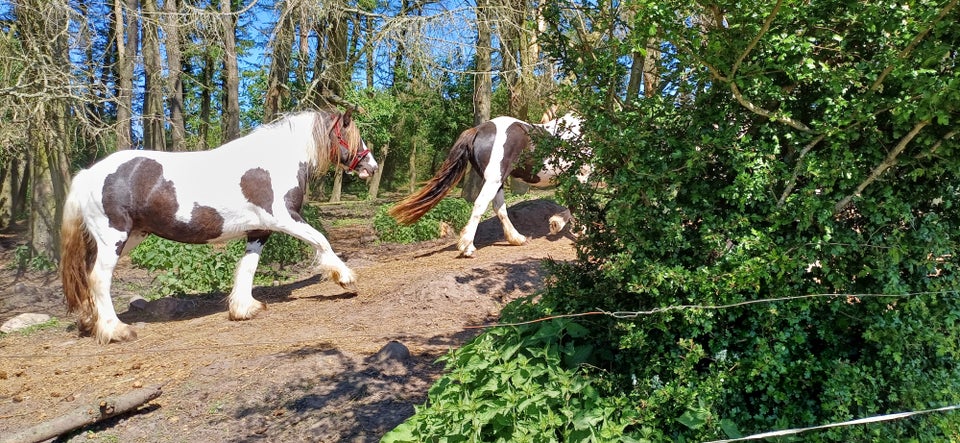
651 68
230 121
18 188
153 115
338 65
42 219
413 166
59 172
482 90
339 76
280 48
171 27
127 42
206 99
374 188
370 65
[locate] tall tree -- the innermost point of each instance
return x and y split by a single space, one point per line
338 66
40 95
230 119
281 46
483 87
127 41
173 45
153 113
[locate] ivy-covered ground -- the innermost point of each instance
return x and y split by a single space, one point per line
307 369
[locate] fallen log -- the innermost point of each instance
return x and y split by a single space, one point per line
85 415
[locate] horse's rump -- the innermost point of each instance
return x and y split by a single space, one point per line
410 209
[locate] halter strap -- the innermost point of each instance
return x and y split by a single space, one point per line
337 126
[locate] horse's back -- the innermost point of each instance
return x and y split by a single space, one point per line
191 197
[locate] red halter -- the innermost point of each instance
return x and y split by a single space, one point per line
337 126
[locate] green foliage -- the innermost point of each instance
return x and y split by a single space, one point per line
25 258
526 384
455 212
789 151
189 268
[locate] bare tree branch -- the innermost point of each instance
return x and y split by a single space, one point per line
888 162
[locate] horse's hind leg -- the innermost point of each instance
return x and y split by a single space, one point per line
242 304
487 192
511 234
108 326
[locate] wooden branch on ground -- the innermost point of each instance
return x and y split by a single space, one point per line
85 415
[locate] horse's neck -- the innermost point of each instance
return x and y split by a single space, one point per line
290 138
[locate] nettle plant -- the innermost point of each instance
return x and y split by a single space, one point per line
188 268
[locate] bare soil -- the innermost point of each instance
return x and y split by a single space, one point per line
307 369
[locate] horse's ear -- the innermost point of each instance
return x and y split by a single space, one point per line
347 116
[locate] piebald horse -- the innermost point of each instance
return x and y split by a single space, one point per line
249 187
493 149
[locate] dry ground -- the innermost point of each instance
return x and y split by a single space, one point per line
307 369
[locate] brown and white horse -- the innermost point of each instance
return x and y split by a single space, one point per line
249 187
493 148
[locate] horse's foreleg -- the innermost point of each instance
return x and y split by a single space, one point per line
487 192
326 258
108 326
511 234
559 221
242 304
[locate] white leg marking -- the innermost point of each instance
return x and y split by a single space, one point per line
108 326
242 304
326 258
487 192
511 234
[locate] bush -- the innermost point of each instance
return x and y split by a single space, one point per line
455 212
519 385
191 268
785 205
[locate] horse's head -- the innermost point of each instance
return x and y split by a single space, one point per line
349 148
566 127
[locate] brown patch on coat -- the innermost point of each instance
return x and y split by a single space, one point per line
257 189
293 199
518 160
137 198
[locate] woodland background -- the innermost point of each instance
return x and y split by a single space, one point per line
775 226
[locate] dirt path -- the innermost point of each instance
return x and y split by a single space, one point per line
307 369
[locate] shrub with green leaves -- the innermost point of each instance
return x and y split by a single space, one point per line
455 212
783 200
521 384
189 268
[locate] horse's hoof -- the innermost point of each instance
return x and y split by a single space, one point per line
249 313
125 333
351 287
121 332
557 223
468 252
346 279
516 240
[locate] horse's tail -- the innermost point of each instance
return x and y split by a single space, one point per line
451 171
78 251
